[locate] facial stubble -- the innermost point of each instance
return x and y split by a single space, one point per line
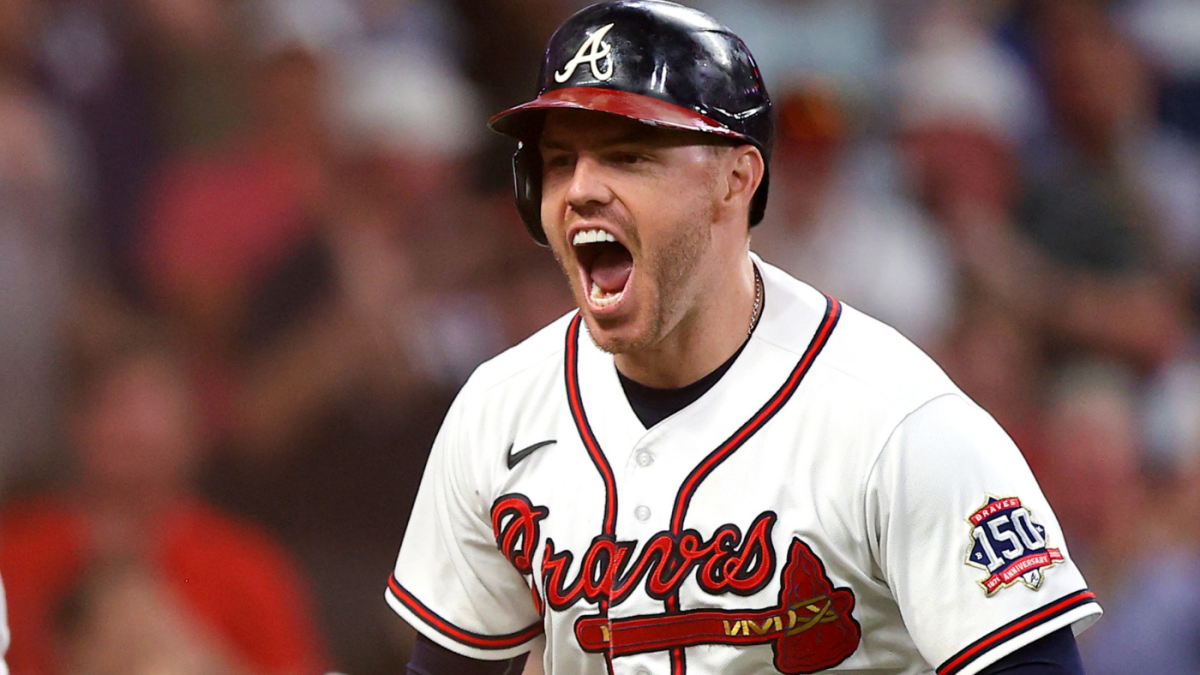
673 268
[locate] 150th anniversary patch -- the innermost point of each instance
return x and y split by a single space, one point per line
1008 543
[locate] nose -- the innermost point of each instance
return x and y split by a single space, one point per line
587 188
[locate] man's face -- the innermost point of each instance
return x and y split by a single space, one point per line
628 210
136 432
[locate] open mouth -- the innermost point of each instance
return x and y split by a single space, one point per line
606 265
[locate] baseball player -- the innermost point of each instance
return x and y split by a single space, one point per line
711 467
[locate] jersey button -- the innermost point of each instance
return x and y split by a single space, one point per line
644 458
642 513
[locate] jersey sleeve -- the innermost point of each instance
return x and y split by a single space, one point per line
451 582
967 542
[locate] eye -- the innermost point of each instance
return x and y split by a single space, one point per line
629 158
557 161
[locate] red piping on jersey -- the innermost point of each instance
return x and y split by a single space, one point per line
833 311
575 400
454 632
585 429
1005 633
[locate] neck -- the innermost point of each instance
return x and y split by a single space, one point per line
714 329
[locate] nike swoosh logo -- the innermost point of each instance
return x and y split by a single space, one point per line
515 457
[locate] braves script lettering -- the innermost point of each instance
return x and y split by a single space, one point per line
726 562
515 523
812 627
591 51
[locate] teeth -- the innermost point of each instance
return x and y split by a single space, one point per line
592 236
602 299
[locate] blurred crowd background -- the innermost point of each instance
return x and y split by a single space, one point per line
249 249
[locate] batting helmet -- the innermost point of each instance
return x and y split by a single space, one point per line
648 60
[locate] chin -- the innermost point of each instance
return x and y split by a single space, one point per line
614 346
620 338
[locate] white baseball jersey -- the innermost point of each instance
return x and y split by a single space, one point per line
832 504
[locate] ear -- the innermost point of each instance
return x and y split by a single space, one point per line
744 170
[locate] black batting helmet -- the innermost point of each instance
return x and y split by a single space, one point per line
648 60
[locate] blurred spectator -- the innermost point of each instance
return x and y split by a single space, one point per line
1168 33
348 307
998 361
218 221
1092 450
122 619
92 59
1132 521
39 187
1171 425
1167 163
1152 625
117 572
1085 207
838 221
501 48
962 106
1033 250
794 42
221 221
142 80
353 342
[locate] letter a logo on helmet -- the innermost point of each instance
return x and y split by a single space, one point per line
598 50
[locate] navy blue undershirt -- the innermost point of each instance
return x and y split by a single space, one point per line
430 658
1055 654
655 405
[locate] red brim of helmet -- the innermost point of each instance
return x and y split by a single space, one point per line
522 123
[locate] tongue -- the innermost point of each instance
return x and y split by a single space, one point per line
610 269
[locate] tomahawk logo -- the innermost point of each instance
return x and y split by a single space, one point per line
591 51
812 628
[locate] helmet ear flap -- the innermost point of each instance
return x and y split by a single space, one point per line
527 179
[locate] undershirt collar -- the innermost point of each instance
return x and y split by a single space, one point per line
653 405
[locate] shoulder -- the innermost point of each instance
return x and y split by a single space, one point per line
860 358
518 393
